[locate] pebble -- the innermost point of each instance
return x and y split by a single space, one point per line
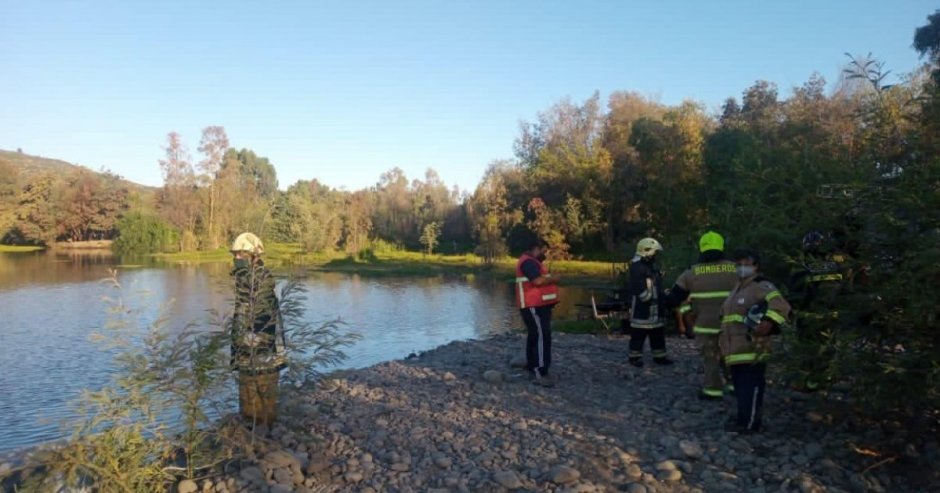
281 488
187 486
508 479
492 376
564 475
692 450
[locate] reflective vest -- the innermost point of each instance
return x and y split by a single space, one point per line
528 295
709 285
738 344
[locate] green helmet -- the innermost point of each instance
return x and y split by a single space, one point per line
711 241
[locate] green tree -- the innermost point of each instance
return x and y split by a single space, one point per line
430 237
35 211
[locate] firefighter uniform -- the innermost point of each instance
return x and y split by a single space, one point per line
706 285
752 301
535 304
647 305
816 287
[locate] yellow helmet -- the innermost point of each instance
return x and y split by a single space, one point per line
248 242
647 247
711 241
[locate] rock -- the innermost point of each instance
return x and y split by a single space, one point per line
252 475
813 450
671 476
636 488
443 462
353 477
207 486
520 426
281 488
400 467
564 475
316 467
187 486
280 458
634 472
284 476
508 479
814 417
667 465
518 361
449 377
692 450
5 468
492 376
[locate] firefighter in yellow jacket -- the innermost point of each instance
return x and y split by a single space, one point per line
753 312
706 285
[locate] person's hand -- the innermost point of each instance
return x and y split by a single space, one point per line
765 328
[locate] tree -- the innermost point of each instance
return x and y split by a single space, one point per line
489 212
9 190
213 145
35 212
430 237
178 201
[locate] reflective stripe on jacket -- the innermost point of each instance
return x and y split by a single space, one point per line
529 295
738 344
708 285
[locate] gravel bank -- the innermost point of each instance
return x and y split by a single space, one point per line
458 419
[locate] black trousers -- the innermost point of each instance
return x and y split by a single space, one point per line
638 340
538 349
749 384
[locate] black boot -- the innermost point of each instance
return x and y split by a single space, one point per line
637 362
663 361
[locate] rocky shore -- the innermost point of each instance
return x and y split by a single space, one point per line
459 419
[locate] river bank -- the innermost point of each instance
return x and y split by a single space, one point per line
458 418
400 263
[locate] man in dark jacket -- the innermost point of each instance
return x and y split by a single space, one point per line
647 304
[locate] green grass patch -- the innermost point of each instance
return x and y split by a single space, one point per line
19 248
400 263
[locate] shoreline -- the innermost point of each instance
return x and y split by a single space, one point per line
458 418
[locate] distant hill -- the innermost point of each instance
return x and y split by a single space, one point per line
28 166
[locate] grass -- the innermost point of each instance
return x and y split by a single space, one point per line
19 248
400 263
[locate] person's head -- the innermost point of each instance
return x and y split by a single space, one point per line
246 248
711 247
747 262
648 249
813 243
537 248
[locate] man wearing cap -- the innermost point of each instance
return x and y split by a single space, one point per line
706 285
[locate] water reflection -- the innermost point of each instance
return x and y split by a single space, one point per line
52 303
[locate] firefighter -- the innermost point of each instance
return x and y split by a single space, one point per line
753 312
706 285
647 305
816 286
536 295
257 352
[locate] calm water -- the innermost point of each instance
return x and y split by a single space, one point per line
51 305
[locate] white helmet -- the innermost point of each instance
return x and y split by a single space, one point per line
647 247
248 242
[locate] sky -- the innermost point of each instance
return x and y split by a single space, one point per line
342 91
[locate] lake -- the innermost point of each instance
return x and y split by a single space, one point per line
52 304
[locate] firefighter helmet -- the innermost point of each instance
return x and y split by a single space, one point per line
248 242
711 241
813 241
647 247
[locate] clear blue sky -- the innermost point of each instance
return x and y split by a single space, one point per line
341 91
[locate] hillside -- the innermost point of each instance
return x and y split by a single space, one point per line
28 166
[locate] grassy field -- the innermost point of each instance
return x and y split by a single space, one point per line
399 263
18 249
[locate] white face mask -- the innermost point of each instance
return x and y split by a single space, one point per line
745 271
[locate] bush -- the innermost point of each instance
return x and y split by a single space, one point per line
141 234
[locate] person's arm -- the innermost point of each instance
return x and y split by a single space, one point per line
778 310
641 285
531 270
